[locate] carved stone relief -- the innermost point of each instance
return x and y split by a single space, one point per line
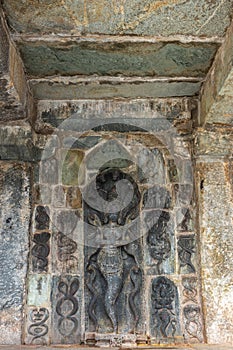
66 310
186 250
40 252
165 309
117 285
114 277
38 326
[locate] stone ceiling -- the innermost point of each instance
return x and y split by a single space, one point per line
71 49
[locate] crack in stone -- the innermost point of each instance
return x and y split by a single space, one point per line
211 16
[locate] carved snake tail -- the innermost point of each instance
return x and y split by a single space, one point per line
114 285
135 277
89 283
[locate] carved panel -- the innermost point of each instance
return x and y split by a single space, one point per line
186 251
193 329
184 220
40 252
42 218
193 324
37 332
66 239
189 289
158 241
66 310
157 197
164 309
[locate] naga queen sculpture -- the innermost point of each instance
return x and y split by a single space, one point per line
113 273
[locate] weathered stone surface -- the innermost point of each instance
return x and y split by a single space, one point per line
111 59
39 288
10 106
15 214
17 142
105 88
214 143
76 117
216 210
218 85
72 173
160 18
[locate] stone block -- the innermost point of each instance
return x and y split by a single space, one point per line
215 199
15 218
134 18
73 198
170 59
106 88
72 172
37 326
66 306
39 288
157 197
187 251
59 197
184 220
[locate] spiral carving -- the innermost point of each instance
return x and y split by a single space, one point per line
67 307
38 329
40 251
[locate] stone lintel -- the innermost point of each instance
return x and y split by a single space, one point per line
70 88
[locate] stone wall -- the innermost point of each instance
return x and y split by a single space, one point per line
67 126
150 140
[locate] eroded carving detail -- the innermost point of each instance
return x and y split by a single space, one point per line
193 326
66 248
189 289
40 252
163 298
158 241
38 329
42 218
186 245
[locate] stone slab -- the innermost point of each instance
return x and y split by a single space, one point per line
14 216
216 211
130 58
105 88
147 17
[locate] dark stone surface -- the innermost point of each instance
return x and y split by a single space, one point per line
157 197
14 215
164 310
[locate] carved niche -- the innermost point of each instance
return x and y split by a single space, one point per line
113 273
